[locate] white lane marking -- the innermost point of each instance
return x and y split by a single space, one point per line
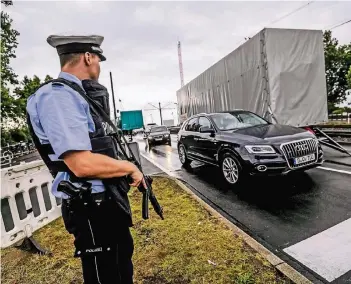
158 165
170 156
334 170
328 253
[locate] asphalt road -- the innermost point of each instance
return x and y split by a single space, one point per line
303 218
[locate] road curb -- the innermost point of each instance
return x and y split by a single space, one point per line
277 262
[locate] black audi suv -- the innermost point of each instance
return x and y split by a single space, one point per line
242 143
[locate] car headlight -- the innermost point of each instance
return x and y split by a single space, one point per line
260 149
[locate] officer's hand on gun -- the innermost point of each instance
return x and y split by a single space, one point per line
138 178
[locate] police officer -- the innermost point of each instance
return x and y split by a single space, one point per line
62 125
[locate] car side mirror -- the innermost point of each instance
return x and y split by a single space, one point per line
206 129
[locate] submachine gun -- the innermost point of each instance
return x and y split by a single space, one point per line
147 192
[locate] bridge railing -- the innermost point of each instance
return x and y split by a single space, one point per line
10 152
344 117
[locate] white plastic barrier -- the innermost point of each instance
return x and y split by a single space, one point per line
26 201
27 187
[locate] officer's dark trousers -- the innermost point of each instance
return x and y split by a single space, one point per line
102 241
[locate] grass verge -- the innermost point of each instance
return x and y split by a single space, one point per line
189 246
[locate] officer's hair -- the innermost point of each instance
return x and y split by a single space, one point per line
71 59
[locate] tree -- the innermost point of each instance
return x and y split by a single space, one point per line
337 64
348 78
8 77
27 87
6 3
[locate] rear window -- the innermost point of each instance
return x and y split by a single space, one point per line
159 129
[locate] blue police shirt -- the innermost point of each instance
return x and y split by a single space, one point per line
60 116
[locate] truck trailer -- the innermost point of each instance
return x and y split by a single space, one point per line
278 74
131 120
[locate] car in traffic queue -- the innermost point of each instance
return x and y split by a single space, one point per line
147 129
159 134
174 129
242 143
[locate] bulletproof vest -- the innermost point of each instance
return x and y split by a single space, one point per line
101 141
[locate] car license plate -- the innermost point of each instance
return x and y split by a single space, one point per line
304 159
158 139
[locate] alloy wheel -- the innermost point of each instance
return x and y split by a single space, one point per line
230 170
182 155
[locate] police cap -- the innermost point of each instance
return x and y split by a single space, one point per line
77 44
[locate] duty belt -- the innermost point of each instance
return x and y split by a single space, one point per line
95 197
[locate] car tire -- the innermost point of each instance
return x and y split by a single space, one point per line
169 143
230 169
183 157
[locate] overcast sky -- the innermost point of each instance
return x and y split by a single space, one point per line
141 38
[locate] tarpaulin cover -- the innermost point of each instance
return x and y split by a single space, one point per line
278 74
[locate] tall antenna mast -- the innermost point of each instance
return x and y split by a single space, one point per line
180 65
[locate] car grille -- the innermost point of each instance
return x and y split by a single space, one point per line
158 136
300 148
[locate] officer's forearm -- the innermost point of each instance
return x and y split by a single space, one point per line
86 164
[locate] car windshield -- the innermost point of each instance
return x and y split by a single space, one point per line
158 129
236 120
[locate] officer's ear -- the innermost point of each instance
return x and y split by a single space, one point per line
88 58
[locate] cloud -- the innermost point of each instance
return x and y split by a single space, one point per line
141 37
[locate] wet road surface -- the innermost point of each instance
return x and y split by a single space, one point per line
333 156
303 218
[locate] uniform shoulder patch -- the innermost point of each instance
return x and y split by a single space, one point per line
57 84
